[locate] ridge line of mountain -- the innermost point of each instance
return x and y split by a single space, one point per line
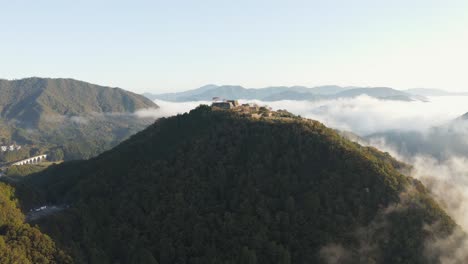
275 93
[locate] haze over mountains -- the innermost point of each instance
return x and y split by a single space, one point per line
76 118
246 185
434 92
439 141
206 93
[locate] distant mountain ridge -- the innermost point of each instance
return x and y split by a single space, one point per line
381 93
276 93
434 92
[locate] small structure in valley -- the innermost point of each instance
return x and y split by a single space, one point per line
43 211
13 147
32 160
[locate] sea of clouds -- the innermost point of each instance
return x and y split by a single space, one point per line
362 115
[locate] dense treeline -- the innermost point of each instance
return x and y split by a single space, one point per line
20 171
19 242
215 187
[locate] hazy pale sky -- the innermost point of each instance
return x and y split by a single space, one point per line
161 46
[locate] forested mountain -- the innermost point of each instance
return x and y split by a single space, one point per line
21 243
73 117
206 93
218 186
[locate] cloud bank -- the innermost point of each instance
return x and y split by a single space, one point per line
366 115
362 115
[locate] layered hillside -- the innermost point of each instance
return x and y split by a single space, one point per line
381 93
79 118
217 186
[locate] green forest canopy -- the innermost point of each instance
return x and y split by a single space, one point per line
220 187
21 243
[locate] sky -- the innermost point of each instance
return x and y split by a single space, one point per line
167 46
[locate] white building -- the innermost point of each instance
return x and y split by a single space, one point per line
10 148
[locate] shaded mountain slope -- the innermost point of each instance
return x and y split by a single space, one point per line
219 187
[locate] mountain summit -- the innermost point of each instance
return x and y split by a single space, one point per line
29 100
245 185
